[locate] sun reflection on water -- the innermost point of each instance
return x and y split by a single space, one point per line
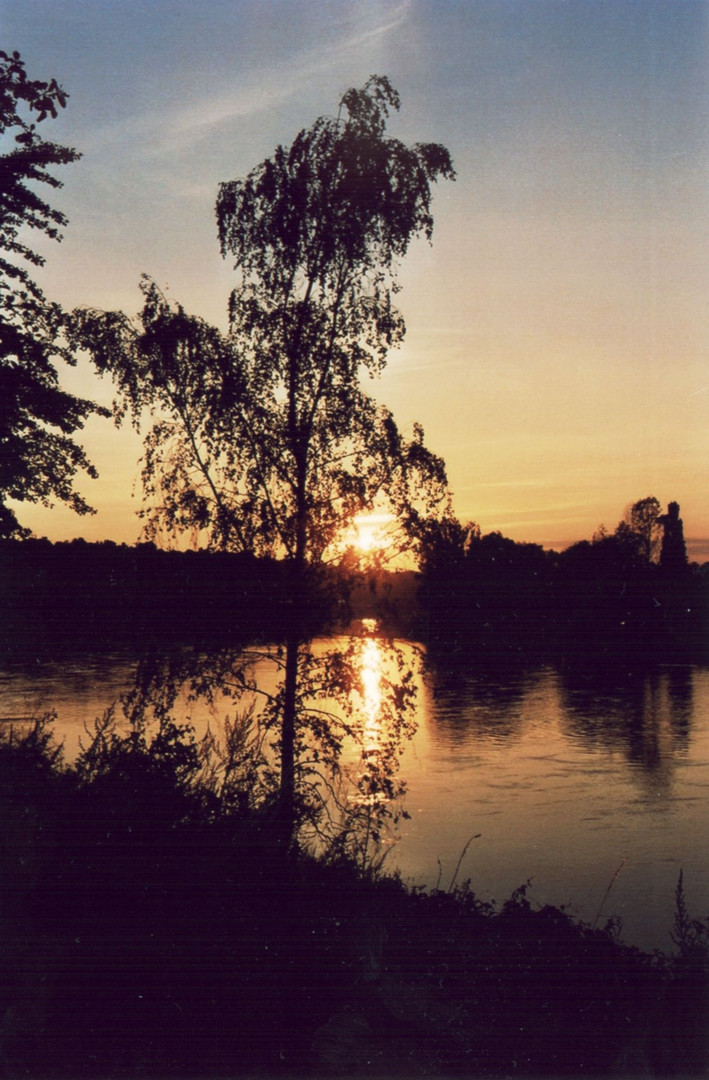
370 707
371 675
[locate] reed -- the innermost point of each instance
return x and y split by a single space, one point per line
607 893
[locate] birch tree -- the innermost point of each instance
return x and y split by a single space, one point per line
265 438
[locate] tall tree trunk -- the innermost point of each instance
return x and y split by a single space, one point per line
287 792
294 641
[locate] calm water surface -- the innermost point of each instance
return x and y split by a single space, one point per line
566 778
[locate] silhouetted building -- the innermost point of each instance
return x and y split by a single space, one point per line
673 553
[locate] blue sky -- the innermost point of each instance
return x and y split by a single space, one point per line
557 329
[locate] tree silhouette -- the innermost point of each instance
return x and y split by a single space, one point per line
264 439
38 458
641 528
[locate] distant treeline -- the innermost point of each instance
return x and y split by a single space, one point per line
615 597
80 594
100 595
610 598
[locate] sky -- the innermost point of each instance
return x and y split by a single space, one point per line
557 328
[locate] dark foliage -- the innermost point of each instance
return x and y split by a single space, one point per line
97 596
604 600
150 929
39 459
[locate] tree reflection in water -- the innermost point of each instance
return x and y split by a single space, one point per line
488 702
356 712
645 716
382 708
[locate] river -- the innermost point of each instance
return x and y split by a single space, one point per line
594 787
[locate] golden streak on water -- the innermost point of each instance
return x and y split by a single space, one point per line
371 674
371 671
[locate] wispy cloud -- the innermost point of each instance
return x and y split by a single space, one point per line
265 90
257 91
530 483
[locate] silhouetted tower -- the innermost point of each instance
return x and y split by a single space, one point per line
673 553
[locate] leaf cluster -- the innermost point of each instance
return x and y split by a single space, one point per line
27 163
38 458
341 203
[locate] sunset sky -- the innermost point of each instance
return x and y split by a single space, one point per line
556 352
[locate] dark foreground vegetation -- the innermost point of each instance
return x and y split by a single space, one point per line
150 927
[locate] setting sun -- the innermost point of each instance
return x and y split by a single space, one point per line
369 531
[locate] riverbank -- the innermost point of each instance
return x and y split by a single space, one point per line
564 774
147 935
